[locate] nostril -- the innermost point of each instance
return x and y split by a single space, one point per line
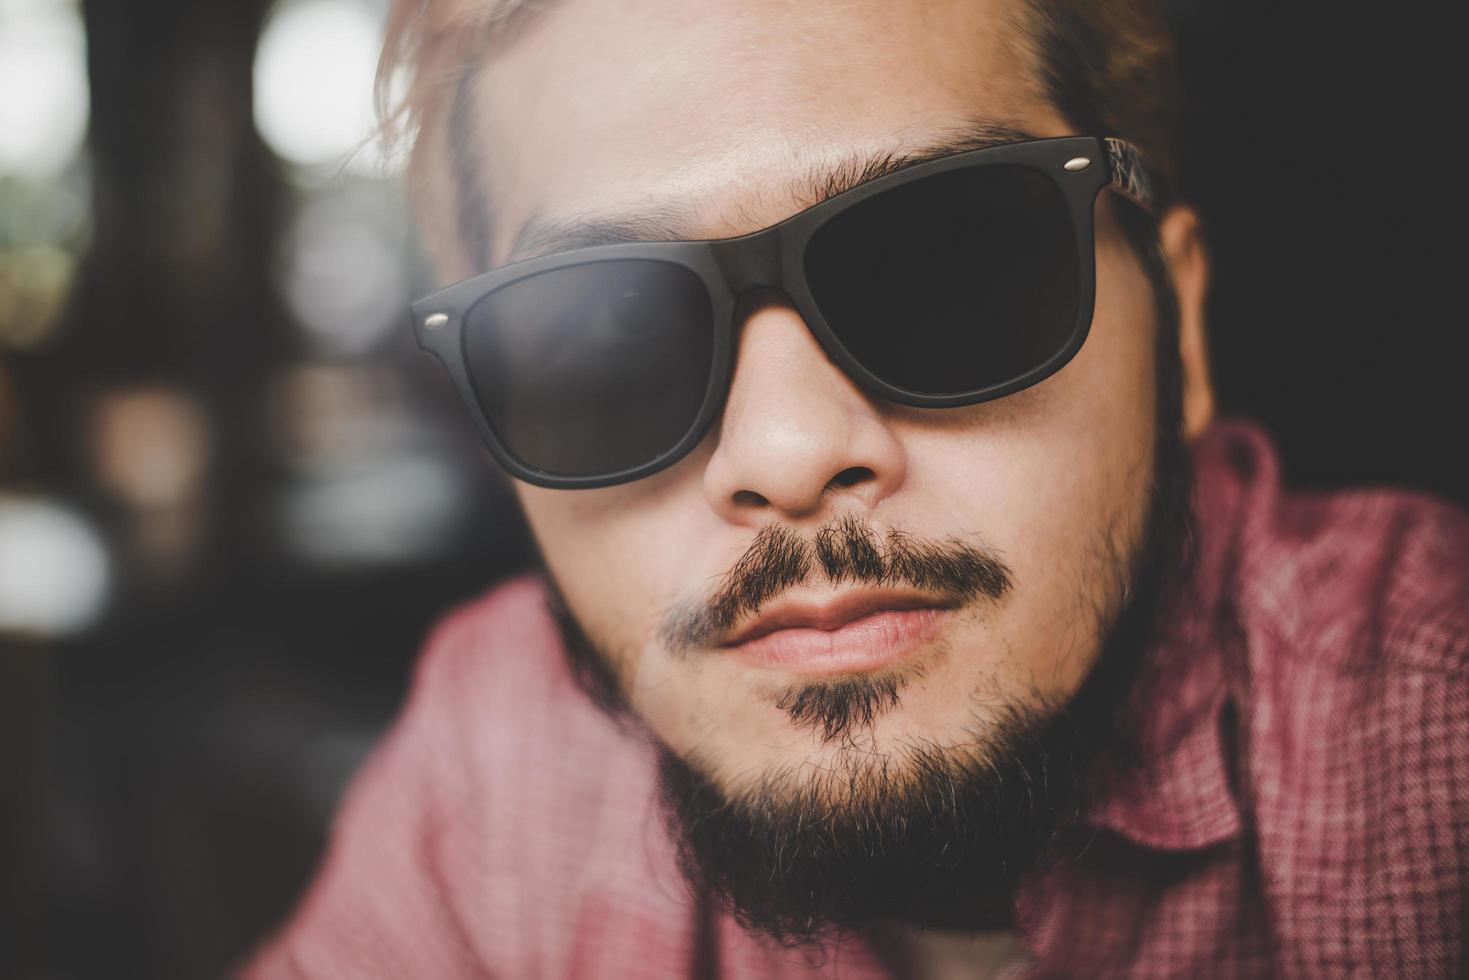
749 498
851 476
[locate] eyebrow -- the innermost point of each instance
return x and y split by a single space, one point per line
669 221
546 235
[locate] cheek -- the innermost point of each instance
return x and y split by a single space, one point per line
1056 478
623 555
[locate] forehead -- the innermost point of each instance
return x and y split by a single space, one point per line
716 110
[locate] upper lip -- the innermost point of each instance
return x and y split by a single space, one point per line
834 612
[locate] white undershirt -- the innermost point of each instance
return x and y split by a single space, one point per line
931 954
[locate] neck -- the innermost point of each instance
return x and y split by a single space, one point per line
934 954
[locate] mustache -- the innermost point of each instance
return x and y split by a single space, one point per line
843 551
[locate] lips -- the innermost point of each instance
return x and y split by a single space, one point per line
855 631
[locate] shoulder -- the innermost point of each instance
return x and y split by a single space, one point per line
1351 619
1359 579
501 822
495 671
555 835
1350 612
1370 579
469 643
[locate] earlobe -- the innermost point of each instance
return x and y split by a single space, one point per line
1181 236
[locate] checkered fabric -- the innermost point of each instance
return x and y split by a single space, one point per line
1302 807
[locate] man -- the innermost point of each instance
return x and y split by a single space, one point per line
881 629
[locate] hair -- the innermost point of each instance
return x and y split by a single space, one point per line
1108 66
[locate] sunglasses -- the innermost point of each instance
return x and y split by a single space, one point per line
947 283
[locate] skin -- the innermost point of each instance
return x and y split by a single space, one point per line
719 110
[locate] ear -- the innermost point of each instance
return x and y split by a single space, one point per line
1181 236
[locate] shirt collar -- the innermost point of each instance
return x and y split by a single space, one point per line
1179 793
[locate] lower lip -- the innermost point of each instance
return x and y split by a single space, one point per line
863 644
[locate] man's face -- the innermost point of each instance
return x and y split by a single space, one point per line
718 113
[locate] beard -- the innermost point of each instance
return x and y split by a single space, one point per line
927 835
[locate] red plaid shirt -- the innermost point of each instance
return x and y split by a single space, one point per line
1303 810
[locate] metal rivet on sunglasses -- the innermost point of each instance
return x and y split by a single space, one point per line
1076 164
435 320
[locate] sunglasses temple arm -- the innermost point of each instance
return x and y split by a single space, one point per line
1129 174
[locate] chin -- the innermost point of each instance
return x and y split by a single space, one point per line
893 823
839 759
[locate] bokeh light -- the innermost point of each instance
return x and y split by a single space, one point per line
314 71
34 283
342 269
370 482
44 102
149 447
54 569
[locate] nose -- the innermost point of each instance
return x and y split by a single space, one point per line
798 438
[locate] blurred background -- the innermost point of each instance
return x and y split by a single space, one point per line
233 496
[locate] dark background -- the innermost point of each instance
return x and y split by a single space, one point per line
169 770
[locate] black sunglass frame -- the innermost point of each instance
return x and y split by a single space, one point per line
774 257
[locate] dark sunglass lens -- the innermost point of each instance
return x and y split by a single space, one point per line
953 282
591 369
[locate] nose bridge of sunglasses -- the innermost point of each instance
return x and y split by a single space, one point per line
750 262
753 270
